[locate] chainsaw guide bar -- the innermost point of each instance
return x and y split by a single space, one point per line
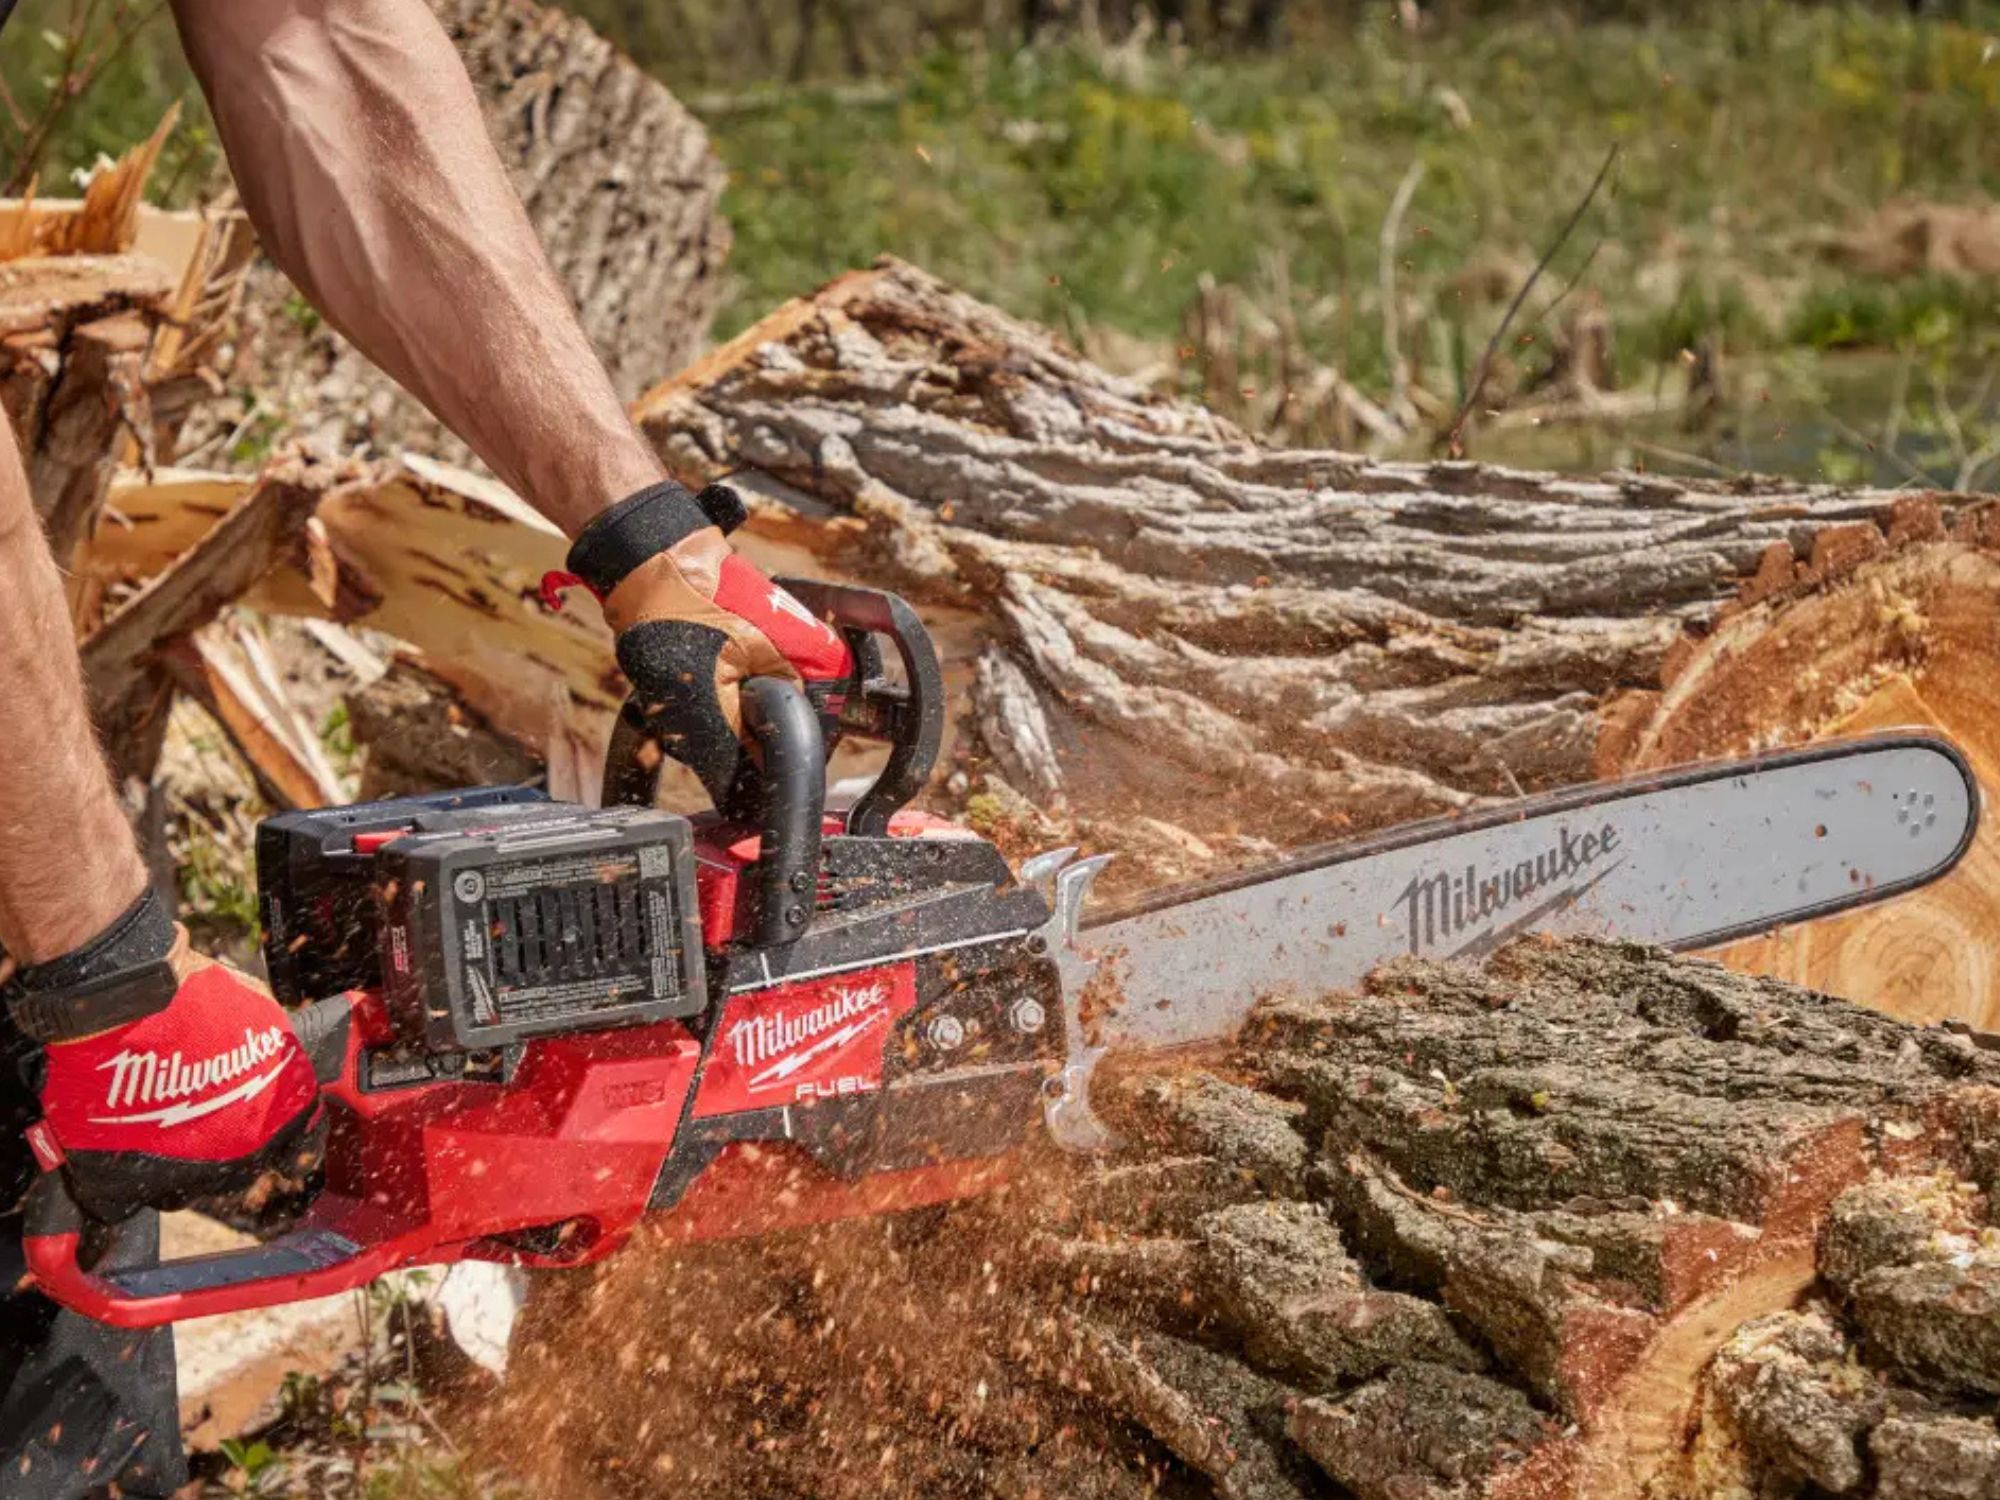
1682 859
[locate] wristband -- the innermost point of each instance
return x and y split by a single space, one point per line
640 527
119 976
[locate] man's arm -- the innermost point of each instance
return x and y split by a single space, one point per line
364 163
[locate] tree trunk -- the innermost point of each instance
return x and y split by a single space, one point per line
1198 647
621 185
1539 1229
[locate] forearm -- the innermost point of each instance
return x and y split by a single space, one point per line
364 164
68 865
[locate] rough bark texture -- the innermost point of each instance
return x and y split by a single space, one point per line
1538 1229
1405 637
1277 645
621 185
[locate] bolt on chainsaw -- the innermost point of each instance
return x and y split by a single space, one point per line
540 1025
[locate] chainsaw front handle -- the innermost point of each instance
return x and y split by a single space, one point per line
341 1243
783 795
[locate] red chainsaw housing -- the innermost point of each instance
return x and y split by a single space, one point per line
769 1116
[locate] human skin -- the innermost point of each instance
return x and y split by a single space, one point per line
362 159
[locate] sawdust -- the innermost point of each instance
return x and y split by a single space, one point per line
862 1361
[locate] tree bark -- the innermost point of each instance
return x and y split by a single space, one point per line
1585 1220
1256 646
621 185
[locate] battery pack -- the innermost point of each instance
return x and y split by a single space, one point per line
557 923
316 880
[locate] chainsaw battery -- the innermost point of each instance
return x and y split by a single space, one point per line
555 924
316 880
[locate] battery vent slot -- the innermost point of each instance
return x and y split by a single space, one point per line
573 933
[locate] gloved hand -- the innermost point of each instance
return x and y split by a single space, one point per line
694 620
166 1077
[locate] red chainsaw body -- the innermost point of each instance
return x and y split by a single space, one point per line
765 1114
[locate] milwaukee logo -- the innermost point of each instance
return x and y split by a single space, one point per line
1453 909
142 1078
788 1043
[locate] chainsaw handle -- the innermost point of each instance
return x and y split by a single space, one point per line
907 717
791 793
340 1245
783 795
335 1248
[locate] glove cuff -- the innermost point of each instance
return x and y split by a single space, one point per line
642 526
120 976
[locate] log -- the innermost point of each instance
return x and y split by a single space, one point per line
1587 1221
621 185
1273 646
1175 643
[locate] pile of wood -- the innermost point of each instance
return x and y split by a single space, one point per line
111 314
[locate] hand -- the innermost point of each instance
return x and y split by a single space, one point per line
694 620
208 1095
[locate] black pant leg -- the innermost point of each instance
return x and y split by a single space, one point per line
83 1405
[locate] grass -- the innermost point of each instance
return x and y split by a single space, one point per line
1079 188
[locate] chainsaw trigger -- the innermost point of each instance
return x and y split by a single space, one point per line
553 583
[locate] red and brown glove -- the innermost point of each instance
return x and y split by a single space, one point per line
167 1078
694 620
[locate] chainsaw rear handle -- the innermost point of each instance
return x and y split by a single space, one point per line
339 1245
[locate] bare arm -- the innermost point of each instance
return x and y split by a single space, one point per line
365 166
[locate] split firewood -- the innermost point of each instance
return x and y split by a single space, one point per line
1587 1221
228 669
126 658
110 313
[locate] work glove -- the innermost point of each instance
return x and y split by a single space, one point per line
694 620
165 1078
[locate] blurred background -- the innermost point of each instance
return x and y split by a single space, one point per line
1314 213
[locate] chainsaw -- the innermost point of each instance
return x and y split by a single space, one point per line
539 1025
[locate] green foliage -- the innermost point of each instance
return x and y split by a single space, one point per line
130 58
1078 186
1924 312
256 1468
216 894
1089 185
1702 313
